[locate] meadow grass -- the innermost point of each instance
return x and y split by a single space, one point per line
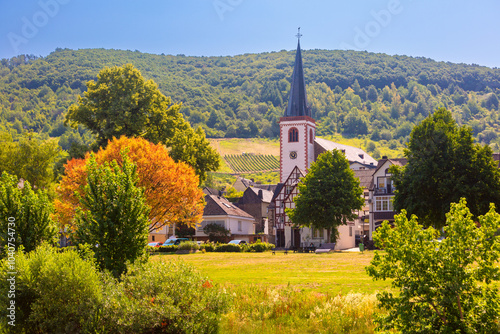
294 293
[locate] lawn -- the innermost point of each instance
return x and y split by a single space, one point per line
294 293
334 273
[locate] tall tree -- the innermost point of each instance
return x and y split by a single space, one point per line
30 158
444 164
113 215
121 103
440 287
171 188
328 195
25 215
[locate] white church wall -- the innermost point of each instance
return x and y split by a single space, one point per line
346 238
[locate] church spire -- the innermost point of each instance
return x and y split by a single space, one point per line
297 102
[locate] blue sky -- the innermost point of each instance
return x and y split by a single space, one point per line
457 31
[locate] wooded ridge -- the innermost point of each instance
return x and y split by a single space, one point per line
375 96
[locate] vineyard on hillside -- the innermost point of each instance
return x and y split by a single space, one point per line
249 162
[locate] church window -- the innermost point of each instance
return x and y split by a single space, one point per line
311 138
293 135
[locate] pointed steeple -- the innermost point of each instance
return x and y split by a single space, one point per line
297 102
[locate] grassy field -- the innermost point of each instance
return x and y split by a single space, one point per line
334 273
294 293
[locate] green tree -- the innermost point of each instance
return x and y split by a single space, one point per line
442 287
328 195
121 102
216 232
444 164
24 215
30 158
113 217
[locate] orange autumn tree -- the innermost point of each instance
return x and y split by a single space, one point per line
171 188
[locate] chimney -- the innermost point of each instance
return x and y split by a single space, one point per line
260 194
384 157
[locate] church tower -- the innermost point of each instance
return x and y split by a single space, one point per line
297 127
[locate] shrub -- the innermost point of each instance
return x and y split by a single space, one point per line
228 248
61 292
166 297
56 292
189 245
216 233
261 247
446 286
208 247
167 249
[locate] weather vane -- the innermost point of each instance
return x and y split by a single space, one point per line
299 35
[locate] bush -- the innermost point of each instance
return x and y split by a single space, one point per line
167 249
189 245
166 297
261 247
228 248
208 247
162 249
59 292
56 292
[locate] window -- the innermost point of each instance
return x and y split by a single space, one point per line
239 225
381 182
293 135
311 137
317 233
350 231
383 203
152 238
207 222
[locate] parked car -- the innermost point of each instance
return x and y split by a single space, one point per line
155 244
237 242
174 241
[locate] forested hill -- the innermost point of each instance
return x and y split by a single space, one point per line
375 96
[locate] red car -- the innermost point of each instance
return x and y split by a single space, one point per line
155 244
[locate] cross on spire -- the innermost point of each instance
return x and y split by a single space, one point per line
299 35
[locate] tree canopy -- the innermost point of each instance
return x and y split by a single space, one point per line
444 164
440 287
113 215
25 215
328 194
123 103
171 188
245 95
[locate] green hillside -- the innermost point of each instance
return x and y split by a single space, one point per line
372 97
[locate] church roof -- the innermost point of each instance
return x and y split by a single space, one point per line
297 101
353 154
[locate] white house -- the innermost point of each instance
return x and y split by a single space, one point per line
220 211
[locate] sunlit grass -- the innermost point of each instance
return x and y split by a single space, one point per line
294 293
332 273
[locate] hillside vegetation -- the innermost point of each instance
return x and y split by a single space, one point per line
373 97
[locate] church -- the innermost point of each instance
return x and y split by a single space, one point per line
299 147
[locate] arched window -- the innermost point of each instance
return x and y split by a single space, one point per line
311 138
293 135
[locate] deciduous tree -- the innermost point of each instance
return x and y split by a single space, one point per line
30 158
24 215
441 287
122 103
171 188
328 194
113 214
444 164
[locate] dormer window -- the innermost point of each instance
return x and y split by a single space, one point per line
293 135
